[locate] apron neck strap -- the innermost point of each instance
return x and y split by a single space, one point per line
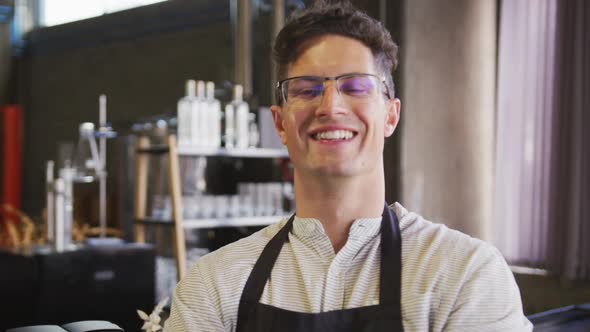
263 267
391 259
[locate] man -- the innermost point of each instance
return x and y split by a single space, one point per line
345 261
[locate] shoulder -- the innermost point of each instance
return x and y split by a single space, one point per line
425 240
207 298
465 283
446 260
236 258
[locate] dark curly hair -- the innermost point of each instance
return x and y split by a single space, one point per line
339 18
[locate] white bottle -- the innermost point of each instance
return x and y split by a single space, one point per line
184 119
199 111
253 132
241 120
230 126
214 110
60 193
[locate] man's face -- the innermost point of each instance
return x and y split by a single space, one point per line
308 130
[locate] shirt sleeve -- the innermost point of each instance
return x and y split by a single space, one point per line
194 307
489 300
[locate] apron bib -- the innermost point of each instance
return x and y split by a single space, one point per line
385 316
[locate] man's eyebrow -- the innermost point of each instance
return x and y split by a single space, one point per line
333 77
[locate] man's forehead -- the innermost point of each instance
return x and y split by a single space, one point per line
331 55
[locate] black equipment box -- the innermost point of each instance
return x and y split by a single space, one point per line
574 318
90 283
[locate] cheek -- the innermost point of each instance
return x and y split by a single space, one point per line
301 116
299 122
290 129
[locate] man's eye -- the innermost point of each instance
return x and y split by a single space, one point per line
304 92
354 90
357 86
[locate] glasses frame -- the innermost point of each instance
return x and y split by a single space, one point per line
283 99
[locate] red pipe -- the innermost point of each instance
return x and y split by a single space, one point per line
11 136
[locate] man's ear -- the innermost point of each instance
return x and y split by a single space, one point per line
392 113
278 121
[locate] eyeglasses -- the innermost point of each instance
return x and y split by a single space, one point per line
353 87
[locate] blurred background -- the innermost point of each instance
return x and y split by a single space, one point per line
493 138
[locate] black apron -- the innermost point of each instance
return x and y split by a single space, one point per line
385 316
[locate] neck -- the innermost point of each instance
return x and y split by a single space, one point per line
338 202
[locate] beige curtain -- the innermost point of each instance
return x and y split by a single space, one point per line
542 159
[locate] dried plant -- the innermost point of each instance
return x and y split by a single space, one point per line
22 237
152 321
21 232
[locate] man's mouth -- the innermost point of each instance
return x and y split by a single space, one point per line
333 135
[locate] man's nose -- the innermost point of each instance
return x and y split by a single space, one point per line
331 102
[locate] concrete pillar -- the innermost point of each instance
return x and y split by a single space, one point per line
448 112
243 46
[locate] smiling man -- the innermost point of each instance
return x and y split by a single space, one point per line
346 261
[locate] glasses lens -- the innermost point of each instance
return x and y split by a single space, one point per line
359 86
303 89
354 88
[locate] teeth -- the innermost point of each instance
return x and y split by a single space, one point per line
334 135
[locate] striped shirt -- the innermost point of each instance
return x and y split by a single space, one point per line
450 281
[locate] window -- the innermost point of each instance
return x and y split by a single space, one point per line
54 12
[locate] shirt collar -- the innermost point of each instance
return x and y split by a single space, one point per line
360 229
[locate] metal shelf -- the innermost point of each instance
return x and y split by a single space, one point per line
155 221
218 152
171 148
231 222
239 153
218 222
